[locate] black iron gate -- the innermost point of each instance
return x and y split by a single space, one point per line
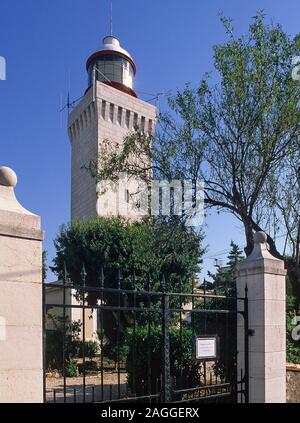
146 339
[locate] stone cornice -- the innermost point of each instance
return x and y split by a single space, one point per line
260 260
257 270
21 232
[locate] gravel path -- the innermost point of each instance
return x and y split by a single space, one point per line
94 392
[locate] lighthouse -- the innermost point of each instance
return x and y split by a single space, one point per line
109 111
113 66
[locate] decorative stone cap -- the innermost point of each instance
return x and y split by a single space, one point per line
15 220
260 247
261 259
8 177
8 201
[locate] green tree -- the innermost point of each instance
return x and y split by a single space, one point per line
224 283
63 335
143 351
225 277
292 345
151 248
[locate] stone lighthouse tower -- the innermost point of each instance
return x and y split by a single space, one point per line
109 110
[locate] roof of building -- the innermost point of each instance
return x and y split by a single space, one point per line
113 44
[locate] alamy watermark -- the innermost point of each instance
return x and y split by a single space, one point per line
2 69
296 68
296 72
295 334
296 331
133 197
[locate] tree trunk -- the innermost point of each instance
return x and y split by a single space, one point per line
249 238
250 227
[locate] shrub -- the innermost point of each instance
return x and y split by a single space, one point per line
140 372
90 367
91 349
62 335
67 334
152 246
292 346
222 324
71 368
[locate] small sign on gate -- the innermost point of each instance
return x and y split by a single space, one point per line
207 347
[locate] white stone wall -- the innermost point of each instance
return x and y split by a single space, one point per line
83 129
21 348
54 295
264 276
89 125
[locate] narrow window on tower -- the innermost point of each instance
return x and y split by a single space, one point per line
120 111
127 120
85 118
143 123
111 112
127 196
150 126
103 109
135 121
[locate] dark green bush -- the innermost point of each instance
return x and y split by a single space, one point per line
90 367
91 349
71 368
149 247
67 334
292 346
222 324
144 348
60 335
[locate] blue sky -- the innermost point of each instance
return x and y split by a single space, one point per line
44 41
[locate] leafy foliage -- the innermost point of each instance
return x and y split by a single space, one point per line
224 284
144 368
61 336
292 346
66 336
71 368
153 247
91 349
225 277
150 248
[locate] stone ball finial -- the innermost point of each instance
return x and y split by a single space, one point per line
260 238
8 177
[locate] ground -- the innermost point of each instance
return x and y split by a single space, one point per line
55 388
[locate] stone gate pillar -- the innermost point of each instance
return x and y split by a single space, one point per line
21 373
264 276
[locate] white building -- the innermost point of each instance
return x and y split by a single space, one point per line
73 311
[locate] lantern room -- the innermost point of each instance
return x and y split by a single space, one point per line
113 66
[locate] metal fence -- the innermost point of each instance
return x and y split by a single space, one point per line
146 337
